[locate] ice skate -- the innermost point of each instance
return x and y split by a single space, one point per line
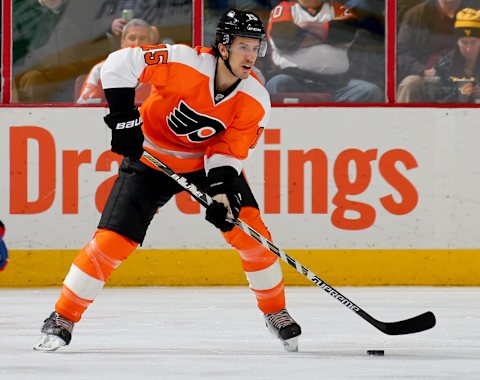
283 327
56 332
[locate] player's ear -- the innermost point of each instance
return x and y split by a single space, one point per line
223 51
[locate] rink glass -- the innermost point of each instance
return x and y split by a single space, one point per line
53 48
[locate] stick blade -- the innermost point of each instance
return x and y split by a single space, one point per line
413 325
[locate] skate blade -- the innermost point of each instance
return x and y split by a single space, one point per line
49 343
291 345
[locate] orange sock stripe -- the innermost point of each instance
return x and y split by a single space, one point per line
97 259
255 257
271 300
70 306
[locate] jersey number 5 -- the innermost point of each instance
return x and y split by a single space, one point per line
154 56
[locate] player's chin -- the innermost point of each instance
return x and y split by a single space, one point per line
243 73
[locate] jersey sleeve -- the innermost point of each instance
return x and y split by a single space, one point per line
126 67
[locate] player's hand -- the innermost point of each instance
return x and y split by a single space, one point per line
224 210
127 135
222 187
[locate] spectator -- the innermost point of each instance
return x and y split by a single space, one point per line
119 25
403 6
310 41
58 48
170 19
28 18
135 33
459 71
368 48
33 23
425 34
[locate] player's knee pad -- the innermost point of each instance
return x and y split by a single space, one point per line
103 254
114 245
256 258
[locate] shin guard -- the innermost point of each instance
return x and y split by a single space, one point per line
90 270
261 266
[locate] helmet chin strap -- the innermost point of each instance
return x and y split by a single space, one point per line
227 64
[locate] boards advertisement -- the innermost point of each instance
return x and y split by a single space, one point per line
347 180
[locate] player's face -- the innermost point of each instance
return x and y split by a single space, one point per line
243 54
135 36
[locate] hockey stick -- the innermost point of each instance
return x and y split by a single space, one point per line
419 323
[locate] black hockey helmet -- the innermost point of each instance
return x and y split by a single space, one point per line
239 23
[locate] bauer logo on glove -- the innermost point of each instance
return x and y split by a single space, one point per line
129 124
127 135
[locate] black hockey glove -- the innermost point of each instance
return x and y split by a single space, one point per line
127 135
227 199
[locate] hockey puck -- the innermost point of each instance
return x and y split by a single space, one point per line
376 352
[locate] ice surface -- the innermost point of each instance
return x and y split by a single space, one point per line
218 333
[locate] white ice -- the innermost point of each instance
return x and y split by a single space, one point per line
218 333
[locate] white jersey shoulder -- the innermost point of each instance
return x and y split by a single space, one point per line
123 67
256 90
203 62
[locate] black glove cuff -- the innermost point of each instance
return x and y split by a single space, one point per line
221 179
123 120
120 98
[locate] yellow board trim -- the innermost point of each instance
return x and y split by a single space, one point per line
222 267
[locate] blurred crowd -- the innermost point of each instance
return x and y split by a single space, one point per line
319 51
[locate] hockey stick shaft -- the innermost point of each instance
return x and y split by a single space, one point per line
419 323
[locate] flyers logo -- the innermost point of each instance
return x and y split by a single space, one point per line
185 121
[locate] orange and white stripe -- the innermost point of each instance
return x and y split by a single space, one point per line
90 270
261 266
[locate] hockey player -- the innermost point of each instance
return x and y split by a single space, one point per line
205 112
3 248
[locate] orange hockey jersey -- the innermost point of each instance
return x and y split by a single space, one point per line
184 126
